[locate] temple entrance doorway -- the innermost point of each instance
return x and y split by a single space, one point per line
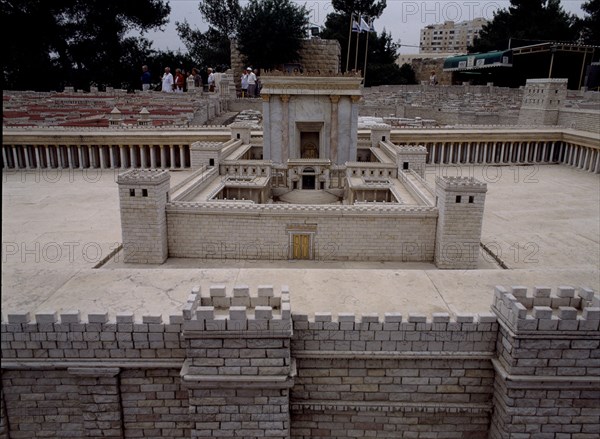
308 182
309 145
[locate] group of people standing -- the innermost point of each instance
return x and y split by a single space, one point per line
178 83
250 83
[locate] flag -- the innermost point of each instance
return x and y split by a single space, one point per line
364 27
355 26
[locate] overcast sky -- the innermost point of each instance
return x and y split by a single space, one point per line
403 19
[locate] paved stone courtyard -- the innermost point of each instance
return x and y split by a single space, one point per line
543 223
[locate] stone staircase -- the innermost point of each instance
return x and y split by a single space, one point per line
309 197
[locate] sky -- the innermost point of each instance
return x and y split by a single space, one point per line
403 19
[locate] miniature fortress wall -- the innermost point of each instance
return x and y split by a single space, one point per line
239 362
154 228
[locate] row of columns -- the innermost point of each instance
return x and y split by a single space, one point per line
95 156
579 156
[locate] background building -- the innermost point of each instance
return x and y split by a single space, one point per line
450 36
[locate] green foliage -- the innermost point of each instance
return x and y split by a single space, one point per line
75 42
270 32
527 21
210 48
370 8
590 25
381 59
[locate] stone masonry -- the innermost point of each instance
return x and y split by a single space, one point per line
239 362
460 202
143 199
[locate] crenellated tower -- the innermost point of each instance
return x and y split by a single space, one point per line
143 196
460 201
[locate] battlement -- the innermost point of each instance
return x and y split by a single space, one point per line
547 81
207 145
238 309
565 309
461 184
439 321
146 176
412 149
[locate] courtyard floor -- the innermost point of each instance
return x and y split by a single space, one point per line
542 222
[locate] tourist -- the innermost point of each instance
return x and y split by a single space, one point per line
179 81
244 80
197 79
167 81
146 78
191 86
251 83
432 78
258 84
211 80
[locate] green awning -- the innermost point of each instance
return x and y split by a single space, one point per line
501 58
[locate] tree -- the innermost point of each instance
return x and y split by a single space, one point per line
590 25
76 41
270 32
212 48
381 57
370 8
526 22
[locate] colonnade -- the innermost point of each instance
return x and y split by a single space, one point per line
95 156
512 152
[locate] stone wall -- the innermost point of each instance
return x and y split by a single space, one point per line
315 54
424 66
579 119
340 233
417 375
239 360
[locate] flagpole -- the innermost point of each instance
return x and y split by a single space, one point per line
366 52
349 41
356 56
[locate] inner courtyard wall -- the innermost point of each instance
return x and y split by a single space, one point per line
247 231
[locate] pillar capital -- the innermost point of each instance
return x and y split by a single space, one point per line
334 99
284 98
265 97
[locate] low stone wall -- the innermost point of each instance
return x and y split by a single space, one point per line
579 119
380 377
238 360
339 233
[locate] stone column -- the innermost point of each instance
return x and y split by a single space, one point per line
477 152
48 157
123 157
333 138
163 157
353 129
432 156
5 157
102 157
238 361
518 153
144 156
285 128
100 401
172 151
502 152
113 158
442 151
597 166
267 154
26 156
182 156
80 154
70 157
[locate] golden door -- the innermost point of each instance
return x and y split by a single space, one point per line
301 247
